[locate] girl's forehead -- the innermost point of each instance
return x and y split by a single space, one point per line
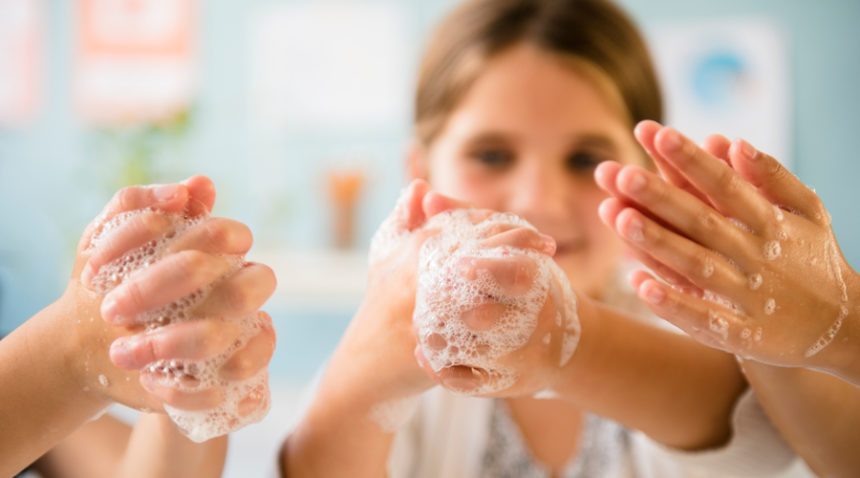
526 89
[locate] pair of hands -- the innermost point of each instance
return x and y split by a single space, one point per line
110 351
393 364
729 221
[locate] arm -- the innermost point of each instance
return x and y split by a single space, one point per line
816 413
39 405
107 447
811 319
684 392
338 435
66 364
372 382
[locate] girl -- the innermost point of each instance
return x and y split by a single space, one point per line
518 101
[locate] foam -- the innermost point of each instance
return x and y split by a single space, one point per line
835 269
444 294
772 250
188 375
755 281
708 268
769 306
718 324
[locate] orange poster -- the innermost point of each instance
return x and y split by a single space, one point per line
21 36
135 59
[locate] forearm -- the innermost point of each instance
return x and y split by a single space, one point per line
842 356
676 391
158 449
338 436
41 399
817 414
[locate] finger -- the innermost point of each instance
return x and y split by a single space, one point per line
523 238
702 267
727 191
130 235
164 388
717 146
251 358
165 282
706 322
461 378
241 294
484 316
645 133
435 203
669 275
775 182
604 177
510 276
192 340
202 190
415 216
252 402
683 212
165 197
215 236
608 212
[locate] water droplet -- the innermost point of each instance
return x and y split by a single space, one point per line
755 281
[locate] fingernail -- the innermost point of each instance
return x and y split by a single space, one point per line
462 383
748 151
637 182
634 230
165 192
652 293
672 140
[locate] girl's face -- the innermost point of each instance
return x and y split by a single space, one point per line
525 139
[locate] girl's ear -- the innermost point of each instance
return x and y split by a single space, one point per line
416 161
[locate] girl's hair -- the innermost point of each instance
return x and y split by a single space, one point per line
594 36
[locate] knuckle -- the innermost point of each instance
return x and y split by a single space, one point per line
707 223
134 296
728 181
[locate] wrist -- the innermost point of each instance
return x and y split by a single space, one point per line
574 375
841 356
73 355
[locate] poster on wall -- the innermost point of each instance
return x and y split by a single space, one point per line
729 77
21 42
134 59
328 65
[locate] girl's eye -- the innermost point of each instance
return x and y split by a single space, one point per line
582 161
493 158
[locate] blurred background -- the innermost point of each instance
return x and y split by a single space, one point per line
300 111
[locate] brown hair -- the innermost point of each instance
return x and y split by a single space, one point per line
591 32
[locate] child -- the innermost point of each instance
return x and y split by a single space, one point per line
518 101
68 363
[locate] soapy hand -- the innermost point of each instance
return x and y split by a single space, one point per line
749 247
184 308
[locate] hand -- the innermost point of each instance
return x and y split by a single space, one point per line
193 259
743 229
495 316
